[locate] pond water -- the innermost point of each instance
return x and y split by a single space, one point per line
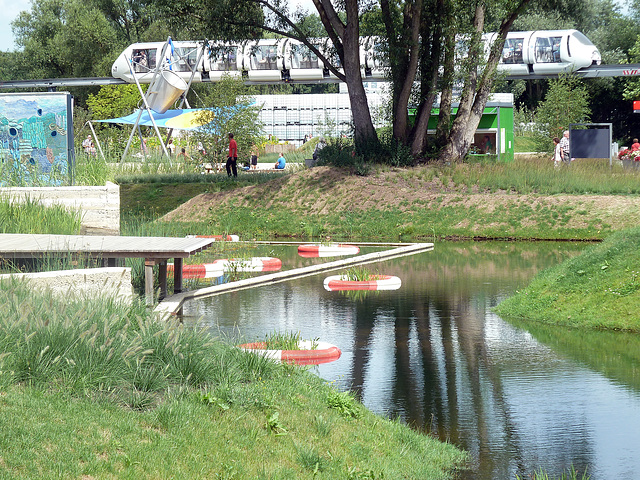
518 398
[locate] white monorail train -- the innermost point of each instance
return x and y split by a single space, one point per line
545 52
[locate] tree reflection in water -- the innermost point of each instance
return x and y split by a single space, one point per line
518 398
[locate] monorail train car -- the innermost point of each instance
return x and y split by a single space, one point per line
261 61
545 52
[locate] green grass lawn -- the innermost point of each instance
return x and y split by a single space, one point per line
90 388
599 289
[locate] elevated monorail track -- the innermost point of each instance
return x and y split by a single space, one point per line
595 71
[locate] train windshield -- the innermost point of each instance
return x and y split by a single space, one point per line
264 57
303 57
547 49
512 51
143 60
224 59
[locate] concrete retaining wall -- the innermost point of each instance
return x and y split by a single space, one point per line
91 282
99 206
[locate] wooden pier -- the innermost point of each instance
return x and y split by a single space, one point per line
173 305
154 250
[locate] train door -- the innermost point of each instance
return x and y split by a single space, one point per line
223 59
265 61
301 62
549 53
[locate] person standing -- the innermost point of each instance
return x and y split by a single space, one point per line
171 147
232 160
564 147
557 152
254 158
87 144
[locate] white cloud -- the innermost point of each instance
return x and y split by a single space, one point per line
10 10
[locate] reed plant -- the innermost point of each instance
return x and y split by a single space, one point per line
286 341
101 346
91 170
536 174
30 216
570 474
359 274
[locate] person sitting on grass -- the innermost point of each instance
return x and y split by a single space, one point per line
280 163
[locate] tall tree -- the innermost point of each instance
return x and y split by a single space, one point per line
64 38
246 19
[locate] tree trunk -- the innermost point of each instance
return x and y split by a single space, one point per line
405 70
346 38
476 92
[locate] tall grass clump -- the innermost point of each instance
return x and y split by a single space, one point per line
536 174
90 170
30 216
98 347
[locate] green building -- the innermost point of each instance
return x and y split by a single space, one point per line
494 135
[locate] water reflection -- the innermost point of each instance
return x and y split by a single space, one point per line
517 398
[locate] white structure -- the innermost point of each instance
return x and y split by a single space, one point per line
290 117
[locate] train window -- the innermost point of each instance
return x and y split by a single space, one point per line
303 57
224 59
264 57
184 59
547 49
512 51
143 60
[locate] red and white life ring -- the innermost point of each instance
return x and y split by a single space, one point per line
218 267
202 270
218 238
377 282
332 250
253 264
307 355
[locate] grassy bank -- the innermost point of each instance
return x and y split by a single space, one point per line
524 199
599 289
93 389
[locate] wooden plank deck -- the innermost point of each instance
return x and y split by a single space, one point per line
155 251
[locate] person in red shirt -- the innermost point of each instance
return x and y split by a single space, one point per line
635 146
232 160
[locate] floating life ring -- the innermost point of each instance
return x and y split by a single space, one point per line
332 250
218 267
218 238
253 264
377 282
203 270
306 355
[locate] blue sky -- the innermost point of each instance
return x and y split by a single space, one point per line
10 10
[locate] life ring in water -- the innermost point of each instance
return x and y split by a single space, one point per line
306 355
218 267
332 250
376 282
